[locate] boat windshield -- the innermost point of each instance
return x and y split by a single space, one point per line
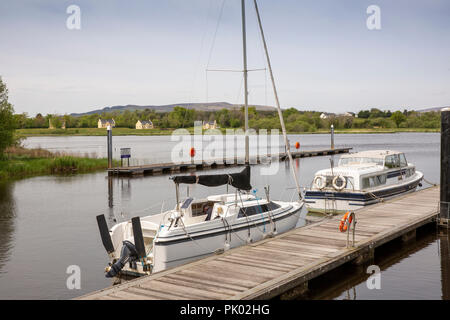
359 160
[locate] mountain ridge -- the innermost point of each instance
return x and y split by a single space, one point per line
199 106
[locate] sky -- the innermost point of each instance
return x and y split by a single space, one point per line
156 52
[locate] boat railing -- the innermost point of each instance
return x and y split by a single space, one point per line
351 228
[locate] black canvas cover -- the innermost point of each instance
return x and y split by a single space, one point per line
240 180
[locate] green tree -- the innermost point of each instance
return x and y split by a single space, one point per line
398 117
7 121
364 114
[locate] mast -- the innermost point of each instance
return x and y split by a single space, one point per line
244 51
280 114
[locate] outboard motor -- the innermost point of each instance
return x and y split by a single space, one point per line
128 254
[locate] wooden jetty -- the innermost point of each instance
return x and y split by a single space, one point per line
170 167
284 264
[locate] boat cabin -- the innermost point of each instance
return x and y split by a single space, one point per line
199 210
365 170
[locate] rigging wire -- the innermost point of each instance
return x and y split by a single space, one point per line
215 33
202 43
212 47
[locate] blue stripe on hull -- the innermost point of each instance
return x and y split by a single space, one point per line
363 197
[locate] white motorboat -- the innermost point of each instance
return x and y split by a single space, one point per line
196 228
361 179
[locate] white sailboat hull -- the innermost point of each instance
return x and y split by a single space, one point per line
180 245
170 253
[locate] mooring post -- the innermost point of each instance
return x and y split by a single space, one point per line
444 215
110 192
332 137
109 142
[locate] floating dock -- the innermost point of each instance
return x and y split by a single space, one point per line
283 265
170 167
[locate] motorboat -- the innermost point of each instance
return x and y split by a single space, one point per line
361 179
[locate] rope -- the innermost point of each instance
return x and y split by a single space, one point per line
232 230
430 183
375 197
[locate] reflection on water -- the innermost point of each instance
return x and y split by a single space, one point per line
7 216
444 252
48 223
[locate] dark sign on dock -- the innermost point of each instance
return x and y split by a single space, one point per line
125 153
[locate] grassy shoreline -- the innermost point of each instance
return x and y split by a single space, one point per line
165 132
18 162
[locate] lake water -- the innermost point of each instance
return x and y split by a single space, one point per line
48 223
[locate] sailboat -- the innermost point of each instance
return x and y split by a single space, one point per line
196 228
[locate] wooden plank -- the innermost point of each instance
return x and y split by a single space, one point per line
284 259
255 264
228 276
318 241
179 290
220 278
306 256
237 268
202 284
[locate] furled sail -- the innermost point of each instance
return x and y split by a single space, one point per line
240 180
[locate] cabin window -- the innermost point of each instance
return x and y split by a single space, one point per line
392 161
365 183
250 211
350 183
329 182
273 206
381 179
357 160
403 162
375 181
410 172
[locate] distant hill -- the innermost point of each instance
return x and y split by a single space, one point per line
212 106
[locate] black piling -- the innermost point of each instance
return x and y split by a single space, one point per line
444 214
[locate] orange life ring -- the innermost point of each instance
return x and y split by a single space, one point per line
343 225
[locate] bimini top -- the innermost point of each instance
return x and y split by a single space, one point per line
240 180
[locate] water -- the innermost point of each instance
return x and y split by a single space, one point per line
48 223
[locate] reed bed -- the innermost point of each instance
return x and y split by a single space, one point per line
19 162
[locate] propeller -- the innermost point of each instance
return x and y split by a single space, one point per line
104 233
138 237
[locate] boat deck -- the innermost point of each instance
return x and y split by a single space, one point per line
285 263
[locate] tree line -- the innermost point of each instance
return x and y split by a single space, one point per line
296 120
